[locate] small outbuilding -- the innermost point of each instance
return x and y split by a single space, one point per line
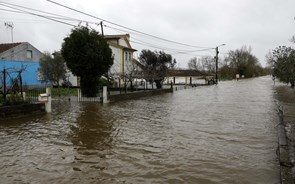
21 57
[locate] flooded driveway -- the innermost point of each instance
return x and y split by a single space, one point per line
211 134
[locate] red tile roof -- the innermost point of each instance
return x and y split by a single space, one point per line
6 46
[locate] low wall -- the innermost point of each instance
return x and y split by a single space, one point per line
134 95
285 100
21 110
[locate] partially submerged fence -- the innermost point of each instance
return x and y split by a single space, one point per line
115 94
32 94
12 90
80 97
10 82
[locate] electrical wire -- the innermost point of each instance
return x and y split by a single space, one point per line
40 11
104 20
52 15
38 15
61 17
135 33
176 51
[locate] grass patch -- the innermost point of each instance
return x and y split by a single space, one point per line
55 92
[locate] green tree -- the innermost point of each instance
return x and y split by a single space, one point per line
87 55
53 69
155 65
283 62
243 62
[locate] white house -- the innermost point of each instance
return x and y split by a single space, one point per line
123 56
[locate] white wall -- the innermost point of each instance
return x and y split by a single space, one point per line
72 78
115 69
123 43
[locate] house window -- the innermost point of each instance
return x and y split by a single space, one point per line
126 56
130 56
29 54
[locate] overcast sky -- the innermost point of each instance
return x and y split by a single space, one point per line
261 24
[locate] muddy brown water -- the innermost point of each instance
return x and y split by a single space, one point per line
210 134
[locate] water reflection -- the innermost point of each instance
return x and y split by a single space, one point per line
93 128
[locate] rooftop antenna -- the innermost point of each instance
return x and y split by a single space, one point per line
9 25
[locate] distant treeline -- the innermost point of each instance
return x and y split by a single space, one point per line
239 61
242 62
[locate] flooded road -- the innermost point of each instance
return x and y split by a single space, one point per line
211 134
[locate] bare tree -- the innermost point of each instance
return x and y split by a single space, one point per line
194 64
208 64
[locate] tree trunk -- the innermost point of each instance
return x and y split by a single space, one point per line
89 86
131 85
158 84
292 84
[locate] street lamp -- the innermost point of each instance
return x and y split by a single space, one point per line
216 57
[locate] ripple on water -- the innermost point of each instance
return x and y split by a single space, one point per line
214 134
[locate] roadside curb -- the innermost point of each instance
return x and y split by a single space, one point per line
286 165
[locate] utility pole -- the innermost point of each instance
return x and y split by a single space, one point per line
101 26
9 25
216 68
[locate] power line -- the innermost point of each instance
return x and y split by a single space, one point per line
101 19
10 10
46 17
150 45
40 11
141 42
56 16
50 15
171 51
138 41
185 52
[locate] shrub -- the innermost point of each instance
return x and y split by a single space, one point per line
14 99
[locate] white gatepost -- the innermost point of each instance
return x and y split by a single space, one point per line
46 99
48 103
79 95
105 95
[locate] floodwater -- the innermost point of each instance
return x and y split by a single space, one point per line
211 134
